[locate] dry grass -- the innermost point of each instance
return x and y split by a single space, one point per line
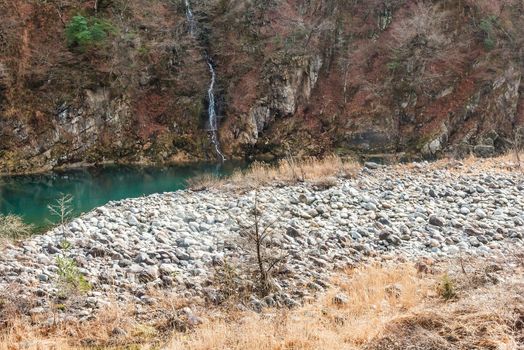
13 227
509 162
36 333
373 303
487 320
388 307
115 326
322 172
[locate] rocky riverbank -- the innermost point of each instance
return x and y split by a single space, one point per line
179 242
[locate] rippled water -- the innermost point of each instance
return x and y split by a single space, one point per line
28 196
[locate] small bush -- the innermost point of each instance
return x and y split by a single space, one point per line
446 288
325 184
70 277
487 26
203 182
83 32
229 283
393 65
13 227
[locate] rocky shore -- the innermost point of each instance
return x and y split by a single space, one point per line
176 241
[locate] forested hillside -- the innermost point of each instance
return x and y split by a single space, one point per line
89 81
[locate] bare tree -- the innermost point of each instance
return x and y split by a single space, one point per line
62 210
516 146
259 235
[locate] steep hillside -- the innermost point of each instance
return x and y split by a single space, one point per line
305 77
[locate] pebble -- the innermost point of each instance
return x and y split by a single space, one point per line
437 221
481 214
340 299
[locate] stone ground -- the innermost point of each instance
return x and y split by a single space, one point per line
180 242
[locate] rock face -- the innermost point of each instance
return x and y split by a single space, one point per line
289 86
307 78
178 241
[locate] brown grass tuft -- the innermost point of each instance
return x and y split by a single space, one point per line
12 227
204 182
510 162
322 172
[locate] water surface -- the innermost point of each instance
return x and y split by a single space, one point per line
29 195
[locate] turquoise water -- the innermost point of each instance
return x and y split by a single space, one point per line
29 195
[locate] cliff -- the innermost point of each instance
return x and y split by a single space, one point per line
427 78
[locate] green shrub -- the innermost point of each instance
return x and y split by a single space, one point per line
446 288
296 39
393 65
489 44
144 50
13 227
70 277
395 61
487 26
83 32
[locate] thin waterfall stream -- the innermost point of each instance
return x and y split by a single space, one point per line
211 112
190 18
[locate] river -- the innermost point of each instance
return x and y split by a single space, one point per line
29 195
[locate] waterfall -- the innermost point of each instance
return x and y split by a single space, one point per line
190 18
211 111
